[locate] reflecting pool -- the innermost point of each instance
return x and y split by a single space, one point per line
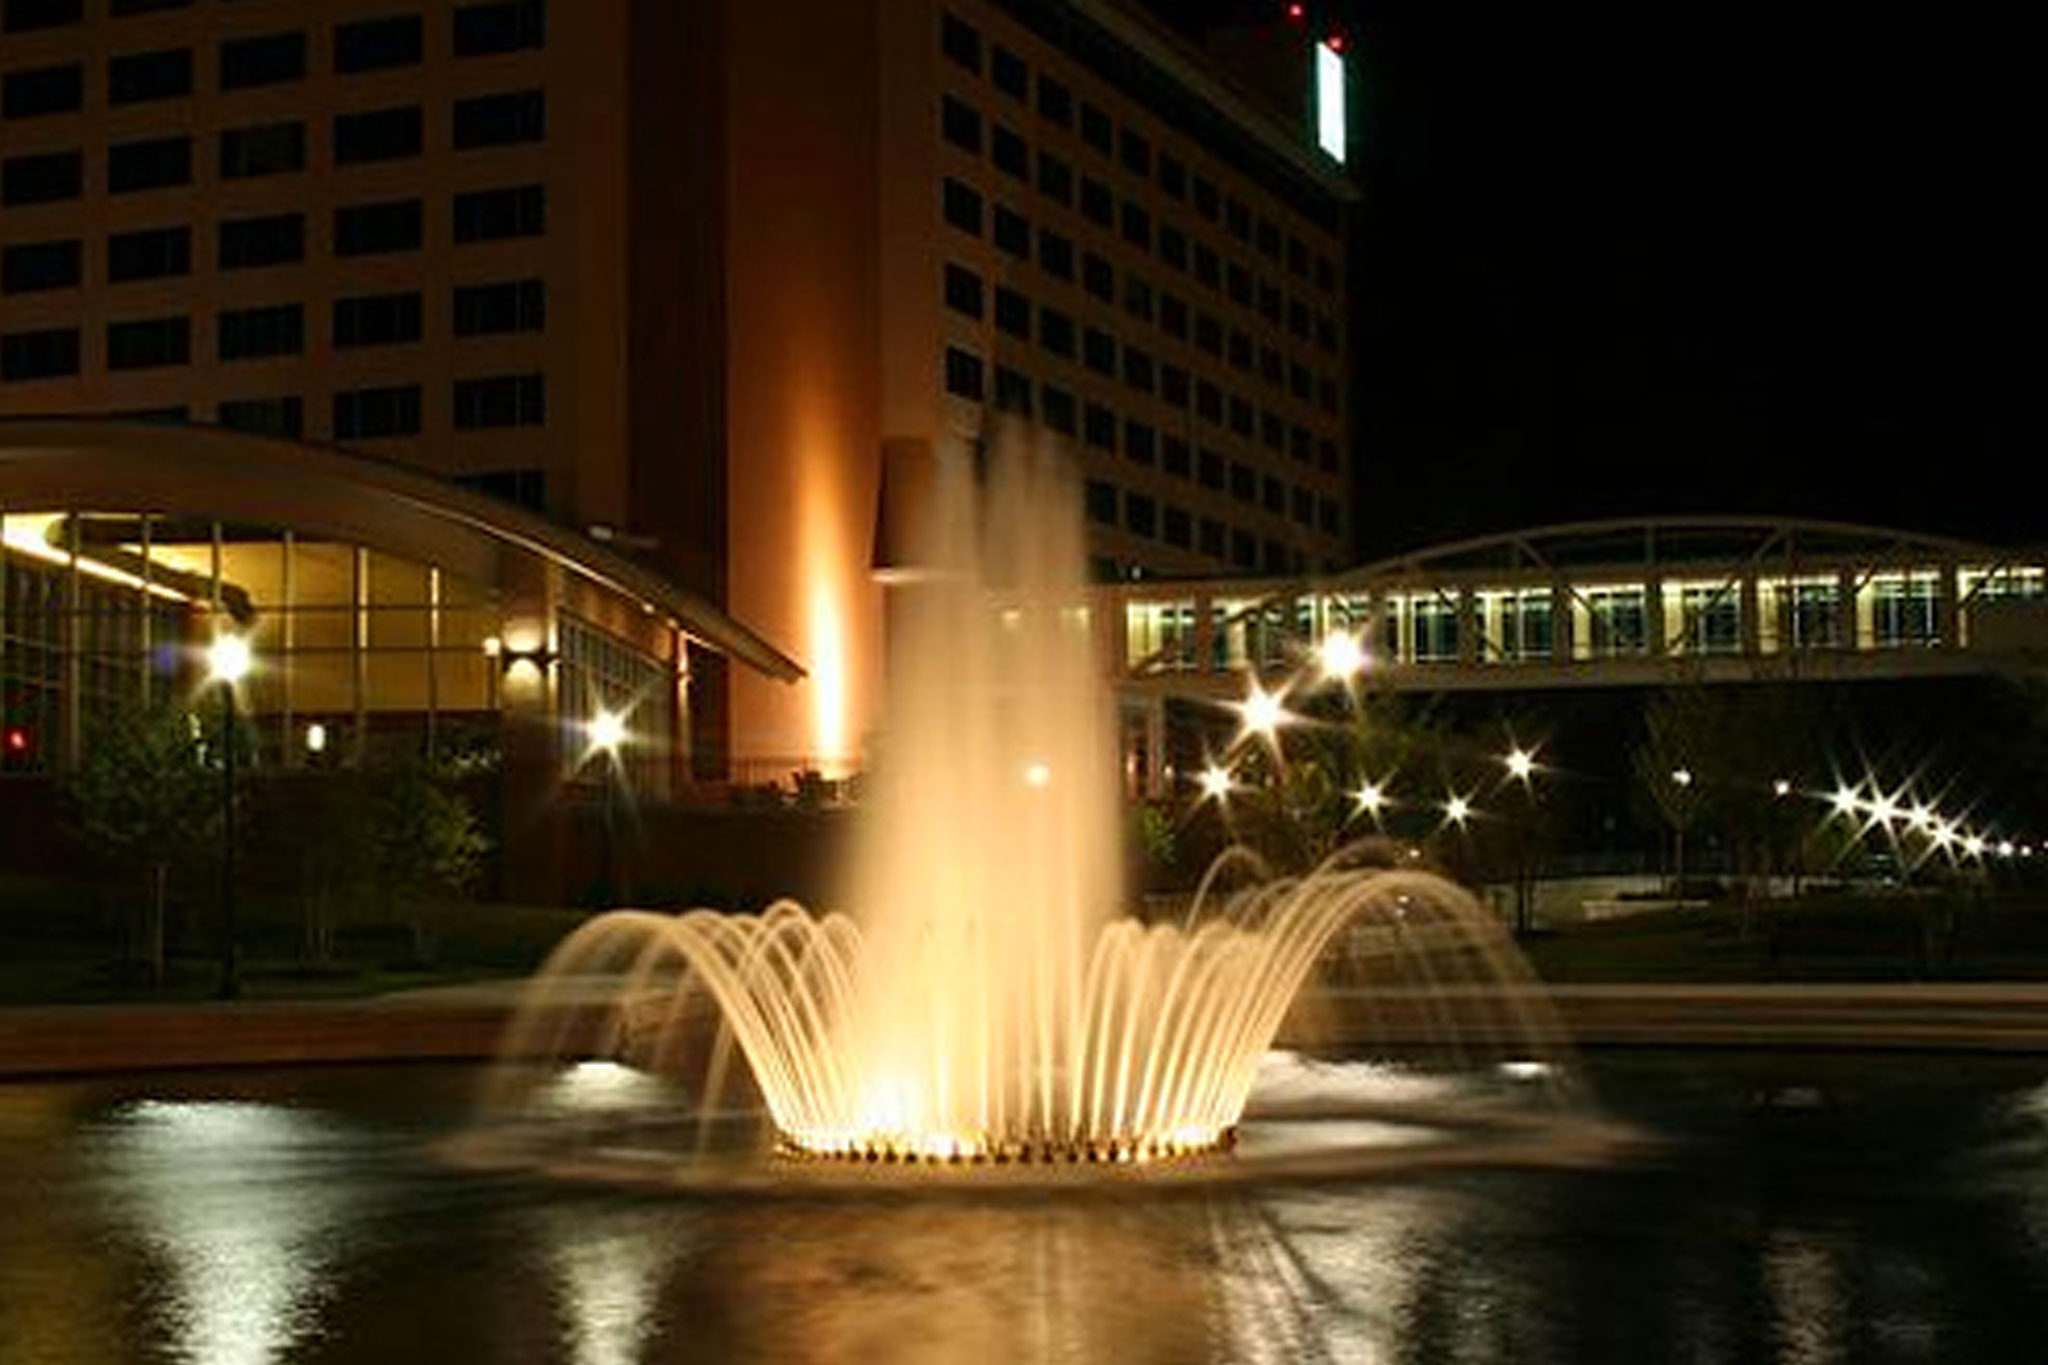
1796 1208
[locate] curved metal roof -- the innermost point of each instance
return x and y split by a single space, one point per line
210 471
1669 541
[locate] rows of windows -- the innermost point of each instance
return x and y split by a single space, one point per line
1129 150
963 208
380 228
277 329
376 43
1062 336
360 138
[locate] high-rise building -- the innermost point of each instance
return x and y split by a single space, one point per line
679 280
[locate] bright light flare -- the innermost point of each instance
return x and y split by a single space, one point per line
606 730
1215 782
1371 798
227 658
1263 712
1457 810
1341 655
1844 800
1037 774
1521 763
1781 787
1682 776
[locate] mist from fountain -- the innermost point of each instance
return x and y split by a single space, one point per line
985 1000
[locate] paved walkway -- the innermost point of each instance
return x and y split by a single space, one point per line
466 1023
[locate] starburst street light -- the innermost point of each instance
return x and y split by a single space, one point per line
606 731
1682 776
1844 800
1457 810
1781 787
1521 763
1341 655
1215 782
1371 798
1262 712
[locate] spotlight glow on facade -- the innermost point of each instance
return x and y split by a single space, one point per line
1341 655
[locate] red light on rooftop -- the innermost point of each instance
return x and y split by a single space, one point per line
1336 41
1296 12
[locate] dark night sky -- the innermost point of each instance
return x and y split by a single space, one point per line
1666 258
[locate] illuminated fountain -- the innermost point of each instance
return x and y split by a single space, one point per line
985 1002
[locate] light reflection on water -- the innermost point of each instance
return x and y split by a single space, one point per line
284 1223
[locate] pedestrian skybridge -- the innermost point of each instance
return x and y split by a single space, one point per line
1605 604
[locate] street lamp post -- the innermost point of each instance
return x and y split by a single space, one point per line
227 663
607 733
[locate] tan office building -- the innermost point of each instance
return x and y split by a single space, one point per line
674 276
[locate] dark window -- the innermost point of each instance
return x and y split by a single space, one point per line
507 26
373 229
275 239
1174 385
1009 153
363 414
1302 507
1012 392
1098 426
1237 218
1210 467
1056 332
1329 517
1055 254
1007 72
1098 277
1326 332
1269 303
1244 483
25 15
1268 238
140 76
267 149
959 40
42 178
264 416
176 415
490 215
1208 334
1297 258
1178 529
1057 407
45 354
508 306
31 267
1055 178
1174 456
501 120
961 125
1096 204
377 320
1244 549
1012 233
964 374
149 254
1208 269
1326 274
1272 431
1240 350
1326 456
1173 176
1326 396
151 165
1141 443
254 333
1098 351
1141 514
45 90
1101 502
1138 369
1301 445
1173 246
1297 318
962 207
1137 226
505 400
1055 101
1240 284
378 44
1173 316
267 60
1205 198
147 343
122 9
1095 129
378 135
526 488
963 291
1240 416
1136 151
1013 313
1208 401
1137 298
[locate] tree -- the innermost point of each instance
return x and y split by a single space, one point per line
146 797
427 841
